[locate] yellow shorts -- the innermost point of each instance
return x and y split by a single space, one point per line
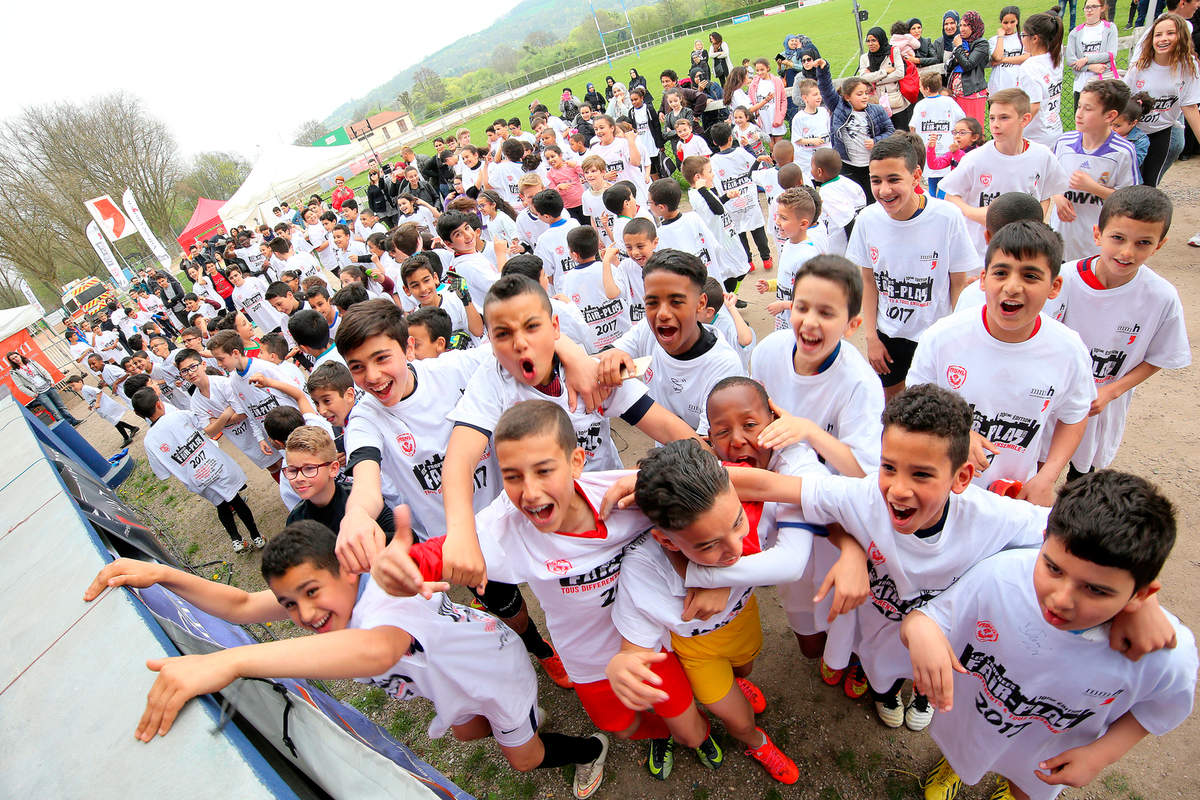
708 660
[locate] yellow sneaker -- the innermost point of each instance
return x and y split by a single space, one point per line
942 783
1003 791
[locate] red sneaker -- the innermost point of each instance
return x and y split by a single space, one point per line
767 265
554 668
856 682
757 701
751 268
777 765
831 676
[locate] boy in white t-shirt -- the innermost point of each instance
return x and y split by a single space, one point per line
795 211
459 231
602 219
686 359
317 225
421 275
177 446
504 175
728 260
686 230
1041 700
810 126
1129 317
732 168
250 295
1008 163
934 115
551 245
471 668
1023 373
1099 161
915 258
621 201
841 199
570 318
597 287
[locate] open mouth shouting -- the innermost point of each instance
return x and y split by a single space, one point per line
528 370
667 335
901 514
540 514
1010 308
381 389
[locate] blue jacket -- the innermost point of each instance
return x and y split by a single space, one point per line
878 121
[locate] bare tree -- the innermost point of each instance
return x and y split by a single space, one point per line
429 85
505 59
214 174
309 132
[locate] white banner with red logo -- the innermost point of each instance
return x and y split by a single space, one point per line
105 253
139 222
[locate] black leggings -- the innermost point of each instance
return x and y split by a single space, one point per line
126 430
225 512
578 215
901 118
760 242
1155 165
861 176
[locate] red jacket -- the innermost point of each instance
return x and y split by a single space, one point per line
340 196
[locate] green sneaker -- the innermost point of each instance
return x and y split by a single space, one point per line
710 753
662 758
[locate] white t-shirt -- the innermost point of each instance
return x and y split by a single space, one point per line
607 318
1004 76
682 385
985 173
841 200
1032 691
172 387
304 263
573 575
317 236
912 261
345 258
792 256
937 114
552 249
844 399
502 227
1113 164
455 309
570 321
256 403
251 298
602 218
492 390
906 570
108 408
530 226
616 156
1091 39
722 325
727 256
411 438
688 233
107 344
766 114
220 397
176 447
1171 90
465 661
1122 327
649 604
111 373
1043 82
695 146
503 177
637 289
732 172
809 126
1017 391
422 216
854 135
478 272
642 118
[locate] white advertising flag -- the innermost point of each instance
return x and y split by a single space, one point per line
109 218
106 255
139 222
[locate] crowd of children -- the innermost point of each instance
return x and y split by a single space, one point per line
436 401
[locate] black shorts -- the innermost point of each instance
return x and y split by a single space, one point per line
901 351
502 599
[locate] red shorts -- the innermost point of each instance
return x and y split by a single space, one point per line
610 714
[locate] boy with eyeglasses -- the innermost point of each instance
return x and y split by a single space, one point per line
314 471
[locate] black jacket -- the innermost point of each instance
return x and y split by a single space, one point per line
697 101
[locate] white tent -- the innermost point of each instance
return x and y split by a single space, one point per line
279 172
15 319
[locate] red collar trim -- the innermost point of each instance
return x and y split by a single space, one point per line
599 532
1037 325
1084 267
751 544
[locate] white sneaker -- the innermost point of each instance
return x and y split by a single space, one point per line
1195 240
541 715
240 545
260 542
588 777
918 714
890 710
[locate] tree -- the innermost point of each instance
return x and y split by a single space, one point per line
309 132
429 85
505 59
536 41
214 174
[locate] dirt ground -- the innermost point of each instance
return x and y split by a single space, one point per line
842 750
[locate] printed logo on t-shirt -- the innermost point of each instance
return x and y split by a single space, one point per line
1009 431
986 179
875 554
956 376
429 474
874 254
166 448
909 291
408 445
986 631
1106 364
603 577
559 566
885 596
1131 331
1020 709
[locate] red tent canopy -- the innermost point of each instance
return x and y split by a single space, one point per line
204 223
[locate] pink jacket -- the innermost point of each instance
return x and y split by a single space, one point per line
780 98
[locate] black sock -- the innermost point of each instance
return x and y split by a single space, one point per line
535 644
562 750
894 690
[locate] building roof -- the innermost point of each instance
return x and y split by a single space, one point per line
377 121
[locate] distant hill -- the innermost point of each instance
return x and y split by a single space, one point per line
556 17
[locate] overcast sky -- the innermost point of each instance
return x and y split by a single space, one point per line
223 74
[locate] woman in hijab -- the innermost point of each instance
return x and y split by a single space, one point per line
969 57
883 68
943 48
917 30
609 83
594 99
620 104
635 80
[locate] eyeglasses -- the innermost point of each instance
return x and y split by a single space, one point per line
308 470
189 370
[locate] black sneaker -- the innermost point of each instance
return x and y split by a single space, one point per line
741 304
662 758
710 753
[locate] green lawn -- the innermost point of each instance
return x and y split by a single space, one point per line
830 25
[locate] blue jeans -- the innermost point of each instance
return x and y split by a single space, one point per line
1062 6
52 401
933 188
